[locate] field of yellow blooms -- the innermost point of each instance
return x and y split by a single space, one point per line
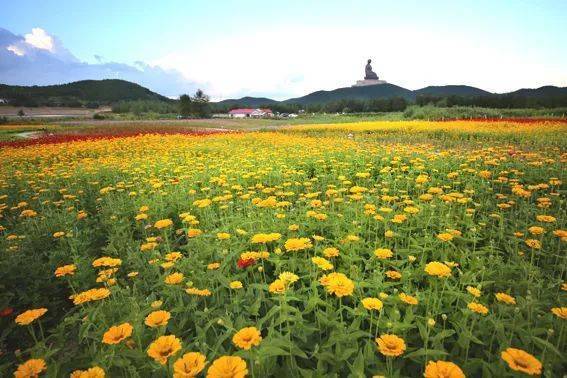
353 250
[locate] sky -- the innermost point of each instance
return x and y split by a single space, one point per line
283 49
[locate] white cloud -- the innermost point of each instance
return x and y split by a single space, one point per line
291 61
41 59
40 39
16 50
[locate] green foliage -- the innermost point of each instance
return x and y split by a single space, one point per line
431 112
197 106
307 331
139 107
78 93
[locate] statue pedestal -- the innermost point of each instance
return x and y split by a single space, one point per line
363 83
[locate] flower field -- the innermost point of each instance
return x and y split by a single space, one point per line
396 249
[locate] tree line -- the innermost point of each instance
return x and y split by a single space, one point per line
507 101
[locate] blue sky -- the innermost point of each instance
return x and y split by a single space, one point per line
288 48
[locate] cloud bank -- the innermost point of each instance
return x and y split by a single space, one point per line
286 62
293 61
38 58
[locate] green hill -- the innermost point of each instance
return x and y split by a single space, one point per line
353 93
99 92
546 91
451 90
251 102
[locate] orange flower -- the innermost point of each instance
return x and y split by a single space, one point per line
116 334
31 368
164 347
157 318
247 337
228 367
391 345
189 365
29 316
443 369
520 360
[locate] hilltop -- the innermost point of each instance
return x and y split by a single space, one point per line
79 93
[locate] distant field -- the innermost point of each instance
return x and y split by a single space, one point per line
45 111
345 250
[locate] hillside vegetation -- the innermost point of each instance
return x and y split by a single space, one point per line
90 93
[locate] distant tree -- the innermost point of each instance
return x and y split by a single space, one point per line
185 105
201 107
196 106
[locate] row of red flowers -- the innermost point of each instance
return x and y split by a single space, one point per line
49 138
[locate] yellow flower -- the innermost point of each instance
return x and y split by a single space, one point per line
383 253
31 368
536 230
29 316
520 360
339 285
107 262
505 298
288 277
173 256
156 304
90 295
560 312
236 285
330 252
297 244
445 236
163 223
478 308
174 278
322 263
247 337
277 287
190 365
408 299
372 303
223 236
437 269
228 367
164 347
213 266
157 318
94 372
545 218
28 213
58 234
442 369
148 246
391 345
265 238
194 232
116 334
473 291
202 202
198 292
533 243
393 275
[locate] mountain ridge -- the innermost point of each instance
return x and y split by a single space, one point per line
388 90
108 91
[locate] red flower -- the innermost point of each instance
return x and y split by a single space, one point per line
245 263
6 312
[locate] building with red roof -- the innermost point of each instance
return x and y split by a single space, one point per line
249 112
